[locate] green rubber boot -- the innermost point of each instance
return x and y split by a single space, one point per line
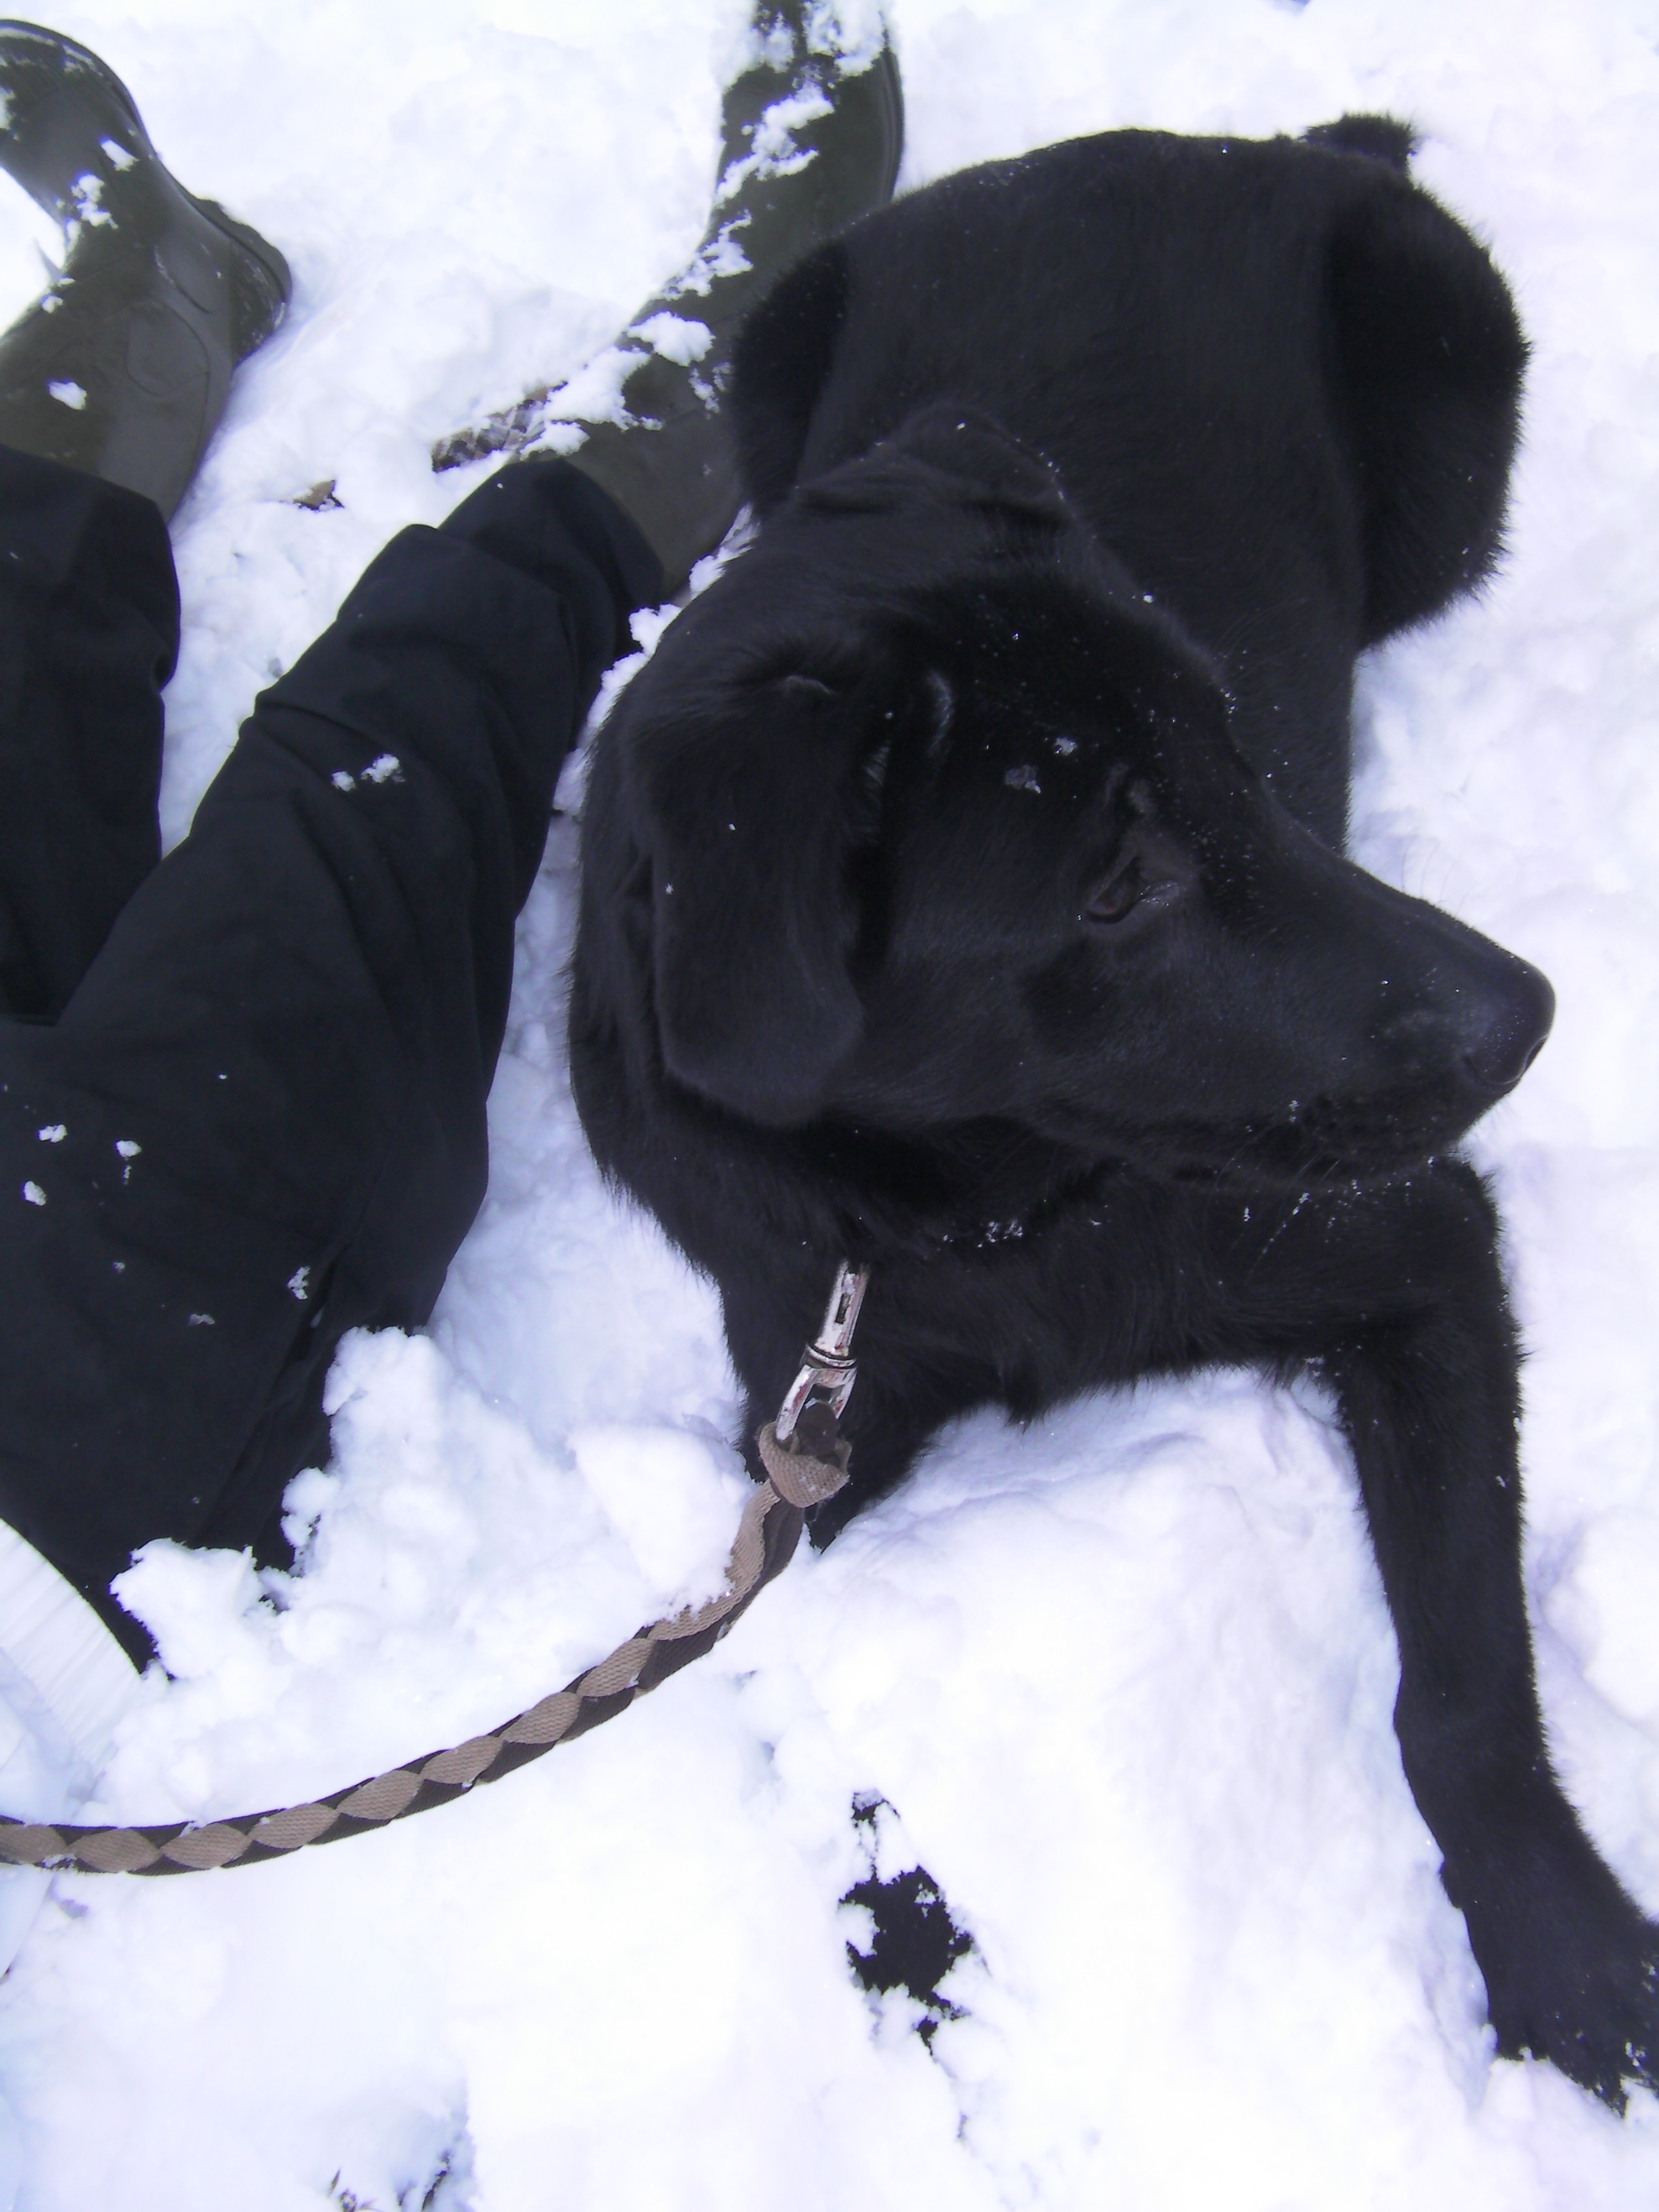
123 367
813 131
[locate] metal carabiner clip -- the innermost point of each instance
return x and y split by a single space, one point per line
828 1366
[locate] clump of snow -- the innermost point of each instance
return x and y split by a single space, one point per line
1124 1676
86 198
675 337
851 31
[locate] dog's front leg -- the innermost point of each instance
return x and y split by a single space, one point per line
1427 1379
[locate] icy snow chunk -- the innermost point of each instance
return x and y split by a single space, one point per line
299 1283
127 1148
675 337
33 1194
850 31
673 1498
723 256
342 782
386 768
1023 778
774 47
53 1133
593 394
117 152
69 392
774 151
304 1503
774 139
195 1604
86 196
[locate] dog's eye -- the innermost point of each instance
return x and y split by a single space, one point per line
1114 900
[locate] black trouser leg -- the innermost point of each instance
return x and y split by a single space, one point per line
89 635
271 1081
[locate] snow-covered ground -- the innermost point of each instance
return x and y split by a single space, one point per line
1126 1676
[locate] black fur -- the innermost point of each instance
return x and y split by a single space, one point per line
964 891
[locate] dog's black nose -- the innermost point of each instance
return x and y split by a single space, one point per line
1511 1023
1486 1016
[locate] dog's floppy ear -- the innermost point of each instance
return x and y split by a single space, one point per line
748 812
756 742
953 455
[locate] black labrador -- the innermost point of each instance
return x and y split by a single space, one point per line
964 892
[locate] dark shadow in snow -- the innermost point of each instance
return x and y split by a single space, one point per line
917 1940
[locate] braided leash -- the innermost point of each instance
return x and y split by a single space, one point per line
805 1462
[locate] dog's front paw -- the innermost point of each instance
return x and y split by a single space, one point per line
1572 1970
1602 2029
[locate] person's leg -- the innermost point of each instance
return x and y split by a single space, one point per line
123 367
111 386
811 135
88 635
263 1107
260 1120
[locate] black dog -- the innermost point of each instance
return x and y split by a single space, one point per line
964 892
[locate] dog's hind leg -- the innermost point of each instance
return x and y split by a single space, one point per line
1422 1356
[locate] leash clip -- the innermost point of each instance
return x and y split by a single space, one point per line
827 1367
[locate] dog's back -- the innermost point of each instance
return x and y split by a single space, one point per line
1276 379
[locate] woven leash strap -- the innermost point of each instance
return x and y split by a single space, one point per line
766 1535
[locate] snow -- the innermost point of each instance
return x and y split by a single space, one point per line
1124 1676
675 337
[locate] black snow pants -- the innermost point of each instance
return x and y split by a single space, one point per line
242 1091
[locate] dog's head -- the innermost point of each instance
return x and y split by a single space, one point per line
938 819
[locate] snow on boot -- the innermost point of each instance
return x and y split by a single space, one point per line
811 132
122 368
